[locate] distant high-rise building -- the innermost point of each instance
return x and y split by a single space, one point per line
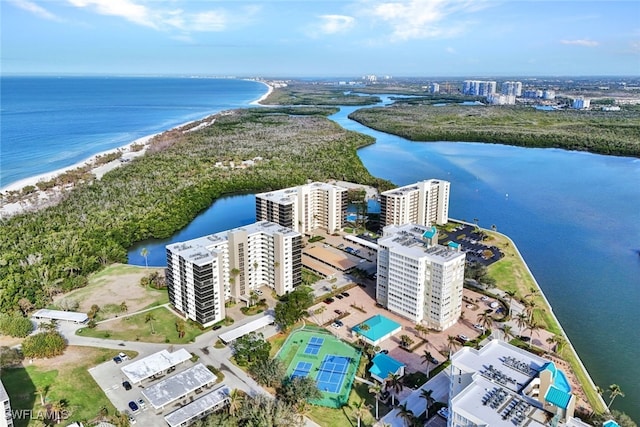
549 94
205 272
419 279
423 203
6 419
305 208
501 99
478 87
434 88
512 88
581 103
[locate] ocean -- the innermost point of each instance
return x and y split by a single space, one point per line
49 123
574 216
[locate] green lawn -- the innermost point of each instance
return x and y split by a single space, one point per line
69 381
136 328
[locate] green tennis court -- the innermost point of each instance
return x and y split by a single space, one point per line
311 352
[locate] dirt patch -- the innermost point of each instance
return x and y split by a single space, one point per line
73 356
116 284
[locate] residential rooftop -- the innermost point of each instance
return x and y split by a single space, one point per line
179 385
154 364
198 407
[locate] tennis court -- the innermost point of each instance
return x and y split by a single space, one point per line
302 369
315 353
313 347
332 373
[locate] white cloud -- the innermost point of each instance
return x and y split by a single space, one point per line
451 50
422 19
154 15
332 24
581 42
35 9
126 9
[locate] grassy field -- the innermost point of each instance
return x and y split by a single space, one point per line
511 274
65 378
136 328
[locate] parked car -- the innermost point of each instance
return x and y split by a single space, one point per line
132 420
126 385
462 338
123 356
478 326
141 403
117 359
524 338
339 296
339 323
216 327
335 325
328 300
444 412
338 312
134 407
345 294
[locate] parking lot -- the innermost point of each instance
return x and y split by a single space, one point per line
110 378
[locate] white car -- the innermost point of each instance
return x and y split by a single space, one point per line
123 356
479 327
444 412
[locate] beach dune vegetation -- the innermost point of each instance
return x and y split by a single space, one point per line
53 250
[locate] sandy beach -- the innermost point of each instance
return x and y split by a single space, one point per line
41 199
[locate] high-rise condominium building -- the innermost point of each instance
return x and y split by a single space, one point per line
423 203
419 279
501 385
512 88
478 87
305 208
203 273
6 419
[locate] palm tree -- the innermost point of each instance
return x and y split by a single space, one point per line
426 394
427 357
485 319
145 254
522 321
235 400
511 294
376 389
394 384
406 414
452 343
551 340
507 330
149 318
42 391
614 391
533 327
529 308
57 407
359 410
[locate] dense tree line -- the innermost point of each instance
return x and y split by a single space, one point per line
614 133
55 249
44 344
15 325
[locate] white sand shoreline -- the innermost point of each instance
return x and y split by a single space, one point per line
39 198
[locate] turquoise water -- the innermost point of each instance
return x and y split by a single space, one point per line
574 216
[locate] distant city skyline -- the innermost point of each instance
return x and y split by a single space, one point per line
280 38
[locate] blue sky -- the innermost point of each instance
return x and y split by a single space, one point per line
341 38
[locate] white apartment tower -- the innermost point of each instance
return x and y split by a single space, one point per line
305 208
478 87
6 419
512 88
424 203
419 279
205 272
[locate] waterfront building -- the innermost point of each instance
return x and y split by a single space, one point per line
205 272
501 99
478 87
6 420
581 103
423 203
502 385
419 279
512 88
305 208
